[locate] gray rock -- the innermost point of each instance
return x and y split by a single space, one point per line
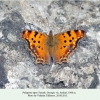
17 66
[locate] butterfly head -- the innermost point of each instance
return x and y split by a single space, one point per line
50 33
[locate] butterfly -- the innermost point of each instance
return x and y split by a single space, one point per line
58 47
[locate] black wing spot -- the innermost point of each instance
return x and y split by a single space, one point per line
36 33
34 41
38 41
64 36
65 41
38 46
32 38
68 32
40 35
70 40
29 31
76 30
64 46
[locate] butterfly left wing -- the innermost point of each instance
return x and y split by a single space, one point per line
37 45
65 43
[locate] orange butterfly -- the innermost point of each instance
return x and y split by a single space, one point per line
59 46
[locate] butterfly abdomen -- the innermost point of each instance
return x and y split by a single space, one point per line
50 43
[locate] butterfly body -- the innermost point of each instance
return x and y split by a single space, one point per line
59 46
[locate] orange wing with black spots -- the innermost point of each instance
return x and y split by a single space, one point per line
37 45
66 42
59 46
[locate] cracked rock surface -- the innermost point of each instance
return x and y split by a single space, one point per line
17 66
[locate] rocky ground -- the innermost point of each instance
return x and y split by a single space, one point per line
17 66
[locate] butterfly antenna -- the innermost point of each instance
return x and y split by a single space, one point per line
47 22
24 26
30 26
78 16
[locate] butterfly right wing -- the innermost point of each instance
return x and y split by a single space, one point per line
65 43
